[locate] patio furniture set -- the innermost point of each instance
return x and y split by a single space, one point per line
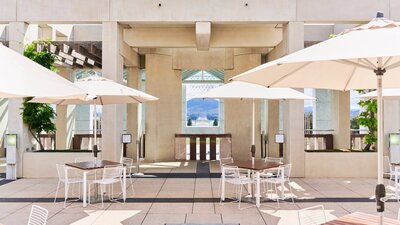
268 171
94 174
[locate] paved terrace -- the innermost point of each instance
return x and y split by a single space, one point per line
185 192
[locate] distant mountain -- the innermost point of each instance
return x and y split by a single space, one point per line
208 108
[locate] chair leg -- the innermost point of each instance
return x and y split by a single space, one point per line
291 193
133 191
102 196
240 195
277 196
58 186
66 187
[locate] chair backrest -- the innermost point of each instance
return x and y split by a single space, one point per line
312 216
273 159
231 172
112 172
127 161
387 165
85 159
62 172
38 216
284 171
224 161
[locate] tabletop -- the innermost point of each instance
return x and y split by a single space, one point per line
259 164
92 165
358 218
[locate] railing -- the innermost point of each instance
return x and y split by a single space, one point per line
48 141
202 146
85 141
356 141
318 141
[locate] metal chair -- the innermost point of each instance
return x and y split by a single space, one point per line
232 176
62 172
314 215
128 162
38 216
389 168
111 175
282 177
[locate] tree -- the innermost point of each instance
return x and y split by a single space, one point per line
367 118
189 122
38 116
215 123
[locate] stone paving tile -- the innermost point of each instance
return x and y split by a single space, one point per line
255 219
15 218
164 208
161 219
204 218
134 220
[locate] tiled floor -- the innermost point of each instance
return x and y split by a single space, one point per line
186 199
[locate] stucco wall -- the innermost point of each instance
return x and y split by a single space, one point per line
348 164
43 165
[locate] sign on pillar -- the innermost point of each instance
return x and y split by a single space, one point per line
11 159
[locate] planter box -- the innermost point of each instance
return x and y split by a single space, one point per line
43 164
340 164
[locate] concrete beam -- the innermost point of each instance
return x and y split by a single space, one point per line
203 34
190 11
186 37
131 58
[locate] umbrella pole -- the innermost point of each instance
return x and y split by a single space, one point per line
253 127
95 131
380 188
139 133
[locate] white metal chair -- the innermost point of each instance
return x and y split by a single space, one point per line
273 159
389 168
111 175
62 172
38 216
282 177
128 162
232 176
314 215
397 182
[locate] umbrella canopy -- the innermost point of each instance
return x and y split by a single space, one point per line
386 94
365 57
244 90
22 77
107 92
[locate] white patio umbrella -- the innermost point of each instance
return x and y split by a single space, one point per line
107 92
365 57
243 90
22 77
391 93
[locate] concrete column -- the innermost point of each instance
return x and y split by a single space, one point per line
323 110
163 117
238 112
341 119
391 120
132 122
17 32
65 121
273 127
112 119
293 115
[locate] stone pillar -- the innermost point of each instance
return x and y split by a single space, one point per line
65 120
163 117
323 110
238 112
341 119
273 127
132 120
17 32
391 121
112 116
293 114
